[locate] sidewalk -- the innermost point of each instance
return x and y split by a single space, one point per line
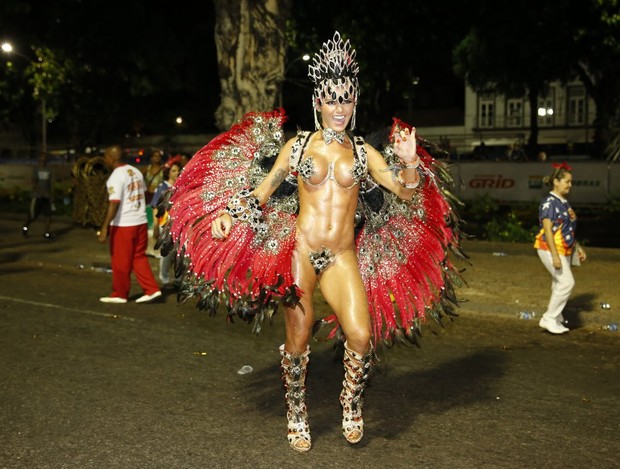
505 284
72 246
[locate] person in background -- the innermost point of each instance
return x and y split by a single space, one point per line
153 174
153 177
184 159
125 224
172 169
557 246
42 197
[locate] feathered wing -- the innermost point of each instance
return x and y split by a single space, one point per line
251 270
404 247
405 251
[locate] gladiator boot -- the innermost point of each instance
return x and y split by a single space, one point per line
294 367
357 368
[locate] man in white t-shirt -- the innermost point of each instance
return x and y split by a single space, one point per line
126 225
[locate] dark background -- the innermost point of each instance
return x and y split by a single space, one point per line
144 65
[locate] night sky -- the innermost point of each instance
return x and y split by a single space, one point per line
172 51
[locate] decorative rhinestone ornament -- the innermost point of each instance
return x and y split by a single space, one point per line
334 74
330 136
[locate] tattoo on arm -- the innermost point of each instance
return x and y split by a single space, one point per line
278 177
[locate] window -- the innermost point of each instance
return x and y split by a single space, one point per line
486 112
514 113
576 105
545 112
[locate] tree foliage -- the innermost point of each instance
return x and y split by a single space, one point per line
518 49
404 53
597 42
128 69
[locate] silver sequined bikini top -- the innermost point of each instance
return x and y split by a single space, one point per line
306 168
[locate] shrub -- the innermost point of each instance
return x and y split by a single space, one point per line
486 218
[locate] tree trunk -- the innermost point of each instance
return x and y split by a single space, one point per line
251 45
605 91
532 143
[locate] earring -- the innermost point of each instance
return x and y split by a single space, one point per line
353 118
317 126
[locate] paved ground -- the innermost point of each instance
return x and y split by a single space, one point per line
89 385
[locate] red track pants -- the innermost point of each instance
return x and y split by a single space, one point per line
128 253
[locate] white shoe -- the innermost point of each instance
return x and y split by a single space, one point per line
113 299
551 325
148 298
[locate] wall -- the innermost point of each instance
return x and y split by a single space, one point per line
593 182
17 178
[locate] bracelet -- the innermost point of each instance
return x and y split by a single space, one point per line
408 185
246 208
411 165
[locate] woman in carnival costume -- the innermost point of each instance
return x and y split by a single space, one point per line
258 223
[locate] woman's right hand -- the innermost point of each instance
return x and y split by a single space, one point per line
221 226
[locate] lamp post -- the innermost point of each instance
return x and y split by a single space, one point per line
7 48
43 127
305 58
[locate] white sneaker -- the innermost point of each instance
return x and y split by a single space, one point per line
148 298
551 325
113 299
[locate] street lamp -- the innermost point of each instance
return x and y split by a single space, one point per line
7 48
305 58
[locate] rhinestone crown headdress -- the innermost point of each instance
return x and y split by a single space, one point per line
334 65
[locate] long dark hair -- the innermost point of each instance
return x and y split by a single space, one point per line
167 169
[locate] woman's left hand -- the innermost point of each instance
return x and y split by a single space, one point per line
581 254
405 145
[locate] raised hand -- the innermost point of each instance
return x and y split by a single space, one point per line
405 145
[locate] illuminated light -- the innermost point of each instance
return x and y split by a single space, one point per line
542 111
138 159
305 57
179 120
549 111
7 47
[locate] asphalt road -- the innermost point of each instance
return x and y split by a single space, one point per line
92 385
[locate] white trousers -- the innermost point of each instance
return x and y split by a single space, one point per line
562 283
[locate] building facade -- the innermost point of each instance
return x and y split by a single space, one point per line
565 116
